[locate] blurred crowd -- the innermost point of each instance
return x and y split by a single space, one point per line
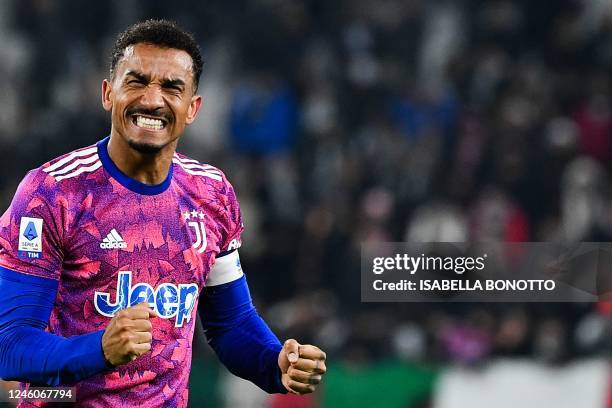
347 121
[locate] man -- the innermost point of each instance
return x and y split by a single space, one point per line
113 246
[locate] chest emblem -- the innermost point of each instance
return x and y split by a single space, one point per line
195 220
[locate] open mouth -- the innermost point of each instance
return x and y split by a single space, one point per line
148 122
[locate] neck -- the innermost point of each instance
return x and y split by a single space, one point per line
147 168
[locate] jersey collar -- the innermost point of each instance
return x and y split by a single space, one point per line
126 181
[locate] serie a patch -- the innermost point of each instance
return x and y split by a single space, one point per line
30 238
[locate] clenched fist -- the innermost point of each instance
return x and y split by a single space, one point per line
302 366
128 335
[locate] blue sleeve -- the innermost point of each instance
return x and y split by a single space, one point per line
242 340
27 352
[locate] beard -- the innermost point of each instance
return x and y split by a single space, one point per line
146 148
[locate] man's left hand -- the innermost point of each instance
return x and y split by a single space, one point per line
302 366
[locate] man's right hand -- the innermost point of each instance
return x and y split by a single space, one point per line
128 335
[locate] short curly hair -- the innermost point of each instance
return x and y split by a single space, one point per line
163 33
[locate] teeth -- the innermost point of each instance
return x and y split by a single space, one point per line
148 123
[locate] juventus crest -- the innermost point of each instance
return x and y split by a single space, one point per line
195 220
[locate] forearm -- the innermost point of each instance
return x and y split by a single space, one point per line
31 355
27 352
250 351
241 339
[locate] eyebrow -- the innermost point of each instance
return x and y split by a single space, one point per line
138 75
147 78
173 83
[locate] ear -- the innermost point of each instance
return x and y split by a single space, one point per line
194 108
107 90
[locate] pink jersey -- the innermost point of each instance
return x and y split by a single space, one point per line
113 242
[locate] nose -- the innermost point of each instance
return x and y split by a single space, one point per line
152 97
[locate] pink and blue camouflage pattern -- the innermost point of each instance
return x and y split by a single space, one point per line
160 232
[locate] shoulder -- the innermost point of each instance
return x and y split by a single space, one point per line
48 178
71 165
195 172
204 180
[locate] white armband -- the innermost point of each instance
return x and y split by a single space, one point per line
226 269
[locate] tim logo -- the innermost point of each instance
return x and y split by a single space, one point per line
167 300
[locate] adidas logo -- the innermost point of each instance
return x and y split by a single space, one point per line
113 240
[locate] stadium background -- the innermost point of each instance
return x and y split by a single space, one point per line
346 121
